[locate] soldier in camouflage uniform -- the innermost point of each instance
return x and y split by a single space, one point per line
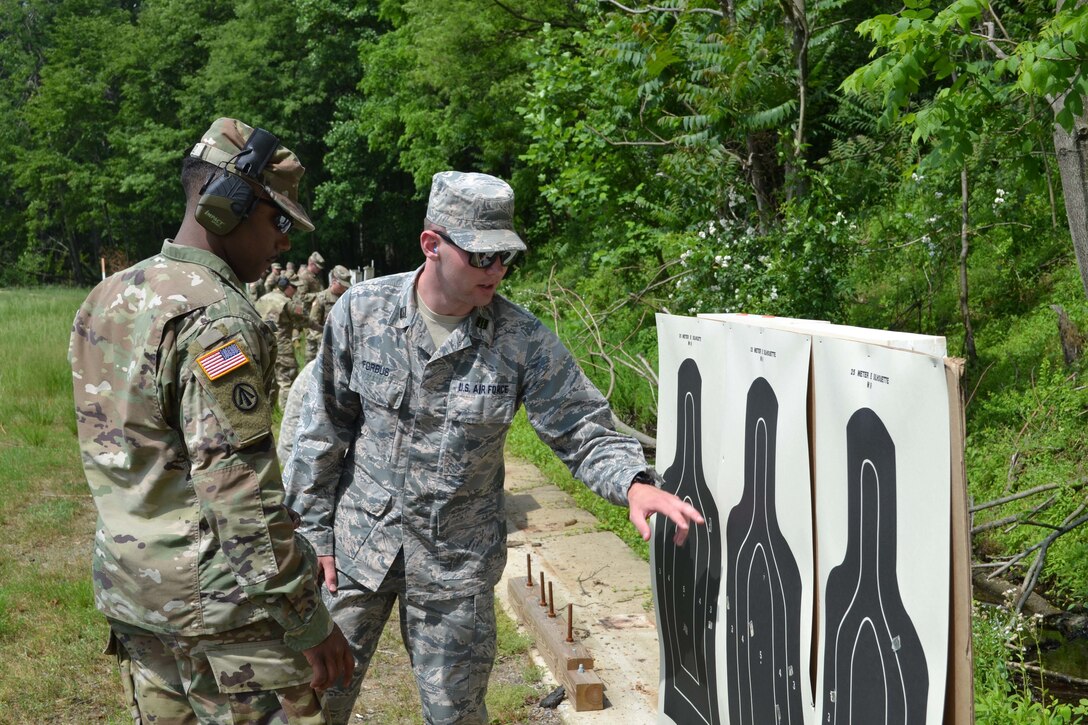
271 281
397 468
310 284
210 594
339 281
283 309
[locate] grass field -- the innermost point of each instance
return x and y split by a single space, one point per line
51 636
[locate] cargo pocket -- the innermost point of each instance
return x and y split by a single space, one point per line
258 667
124 667
355 519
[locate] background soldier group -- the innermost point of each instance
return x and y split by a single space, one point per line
296 305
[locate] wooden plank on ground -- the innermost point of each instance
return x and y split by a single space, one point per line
584 688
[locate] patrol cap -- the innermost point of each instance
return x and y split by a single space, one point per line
284 281
277 265
341 274
221 145
317 259
477 211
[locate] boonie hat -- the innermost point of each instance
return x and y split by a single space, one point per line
341 274
317 259
221 145
477 211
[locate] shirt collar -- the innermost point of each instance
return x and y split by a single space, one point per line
204 258
481 323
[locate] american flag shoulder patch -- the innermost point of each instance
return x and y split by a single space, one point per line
220 361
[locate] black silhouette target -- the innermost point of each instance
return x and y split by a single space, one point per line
688 577
874 666
763 585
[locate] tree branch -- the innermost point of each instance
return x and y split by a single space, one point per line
656 9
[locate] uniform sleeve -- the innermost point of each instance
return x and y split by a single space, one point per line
572 417
225 418
330 419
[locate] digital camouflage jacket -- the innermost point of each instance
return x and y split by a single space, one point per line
171 369
401 445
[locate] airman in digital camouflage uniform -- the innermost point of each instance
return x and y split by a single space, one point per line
292 413
397 469
282 308
339 281
210 595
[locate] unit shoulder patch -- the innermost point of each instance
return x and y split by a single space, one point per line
242 403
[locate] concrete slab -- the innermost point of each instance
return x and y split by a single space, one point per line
608 584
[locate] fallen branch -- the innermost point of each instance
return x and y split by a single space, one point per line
1015 496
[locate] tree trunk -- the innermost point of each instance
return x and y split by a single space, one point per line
1071 148
965 248
797 28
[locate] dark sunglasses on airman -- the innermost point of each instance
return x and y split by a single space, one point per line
483 260
281 221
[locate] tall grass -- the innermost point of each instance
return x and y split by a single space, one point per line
51 636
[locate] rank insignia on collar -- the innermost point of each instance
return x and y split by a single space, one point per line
222 360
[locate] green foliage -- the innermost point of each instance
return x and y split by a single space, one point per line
1004 690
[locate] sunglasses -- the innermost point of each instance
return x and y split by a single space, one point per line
483 260
281 221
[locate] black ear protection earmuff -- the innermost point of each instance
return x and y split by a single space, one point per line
226 199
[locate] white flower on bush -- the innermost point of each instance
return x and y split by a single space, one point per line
774 293
685 256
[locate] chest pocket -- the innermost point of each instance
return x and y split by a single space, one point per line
381 396
482 407
477 420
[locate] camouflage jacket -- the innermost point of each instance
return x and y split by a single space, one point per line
285 313
309 285
271 281
319 310
401 445
171 369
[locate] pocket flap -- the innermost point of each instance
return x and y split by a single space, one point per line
258 667
380 385
377 504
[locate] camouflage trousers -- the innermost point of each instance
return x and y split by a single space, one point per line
286 372
313 342
451 644
247 675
